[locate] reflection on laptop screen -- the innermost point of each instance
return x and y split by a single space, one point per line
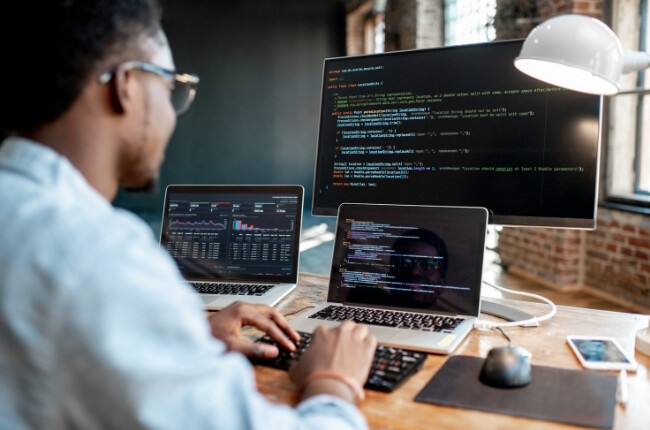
231 235
412 259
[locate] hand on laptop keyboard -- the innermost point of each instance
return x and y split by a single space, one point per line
336 356
389 369
226 326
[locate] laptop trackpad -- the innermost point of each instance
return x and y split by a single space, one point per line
384 334
207 298
214 301
429 339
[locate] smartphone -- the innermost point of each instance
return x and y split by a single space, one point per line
600 353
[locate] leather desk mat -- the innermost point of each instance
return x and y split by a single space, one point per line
577 397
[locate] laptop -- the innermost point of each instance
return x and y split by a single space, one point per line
413 274
234 242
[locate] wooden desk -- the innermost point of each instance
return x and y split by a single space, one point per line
547 344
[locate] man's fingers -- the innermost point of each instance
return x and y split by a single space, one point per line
282 322
281 337
360 332
272 323
252 349
266 319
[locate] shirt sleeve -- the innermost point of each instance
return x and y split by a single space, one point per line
135 351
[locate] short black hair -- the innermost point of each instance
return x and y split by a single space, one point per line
428 237
55 46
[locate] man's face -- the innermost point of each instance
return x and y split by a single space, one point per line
418 264
154 124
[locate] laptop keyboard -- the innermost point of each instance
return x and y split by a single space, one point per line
386 318
390 367
231 288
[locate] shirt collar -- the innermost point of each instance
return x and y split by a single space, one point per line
43 165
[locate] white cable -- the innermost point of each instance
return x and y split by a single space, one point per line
487 325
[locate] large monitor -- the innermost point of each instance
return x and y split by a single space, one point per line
457 126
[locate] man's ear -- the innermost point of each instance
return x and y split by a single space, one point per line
120 93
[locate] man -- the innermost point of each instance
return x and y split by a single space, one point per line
97 328
419 264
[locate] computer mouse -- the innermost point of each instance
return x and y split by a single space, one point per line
506 367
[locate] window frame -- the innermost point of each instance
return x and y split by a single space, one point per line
625 138
459 17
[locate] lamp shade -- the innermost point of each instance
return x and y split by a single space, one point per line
575 52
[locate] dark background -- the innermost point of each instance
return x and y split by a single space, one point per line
255 116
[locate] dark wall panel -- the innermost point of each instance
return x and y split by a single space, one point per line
255 118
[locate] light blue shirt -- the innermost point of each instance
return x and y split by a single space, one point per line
98 329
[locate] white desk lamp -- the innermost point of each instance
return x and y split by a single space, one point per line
579 53
582 54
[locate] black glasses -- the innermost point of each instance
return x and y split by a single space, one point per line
183 85
425 264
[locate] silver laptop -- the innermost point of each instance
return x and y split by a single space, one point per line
411 273
235 242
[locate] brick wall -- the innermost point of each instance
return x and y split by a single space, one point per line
516 18
549 8
617 257
549 256
612 261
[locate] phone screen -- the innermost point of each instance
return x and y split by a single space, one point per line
600 350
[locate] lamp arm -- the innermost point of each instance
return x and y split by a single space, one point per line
635 60
636 92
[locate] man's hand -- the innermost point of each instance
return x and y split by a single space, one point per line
347 349
227 323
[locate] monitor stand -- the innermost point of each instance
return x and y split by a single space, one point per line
508 313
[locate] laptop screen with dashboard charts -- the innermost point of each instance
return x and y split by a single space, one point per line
227 234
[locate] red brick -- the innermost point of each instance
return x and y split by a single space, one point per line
629 228
641 255
627 251
643 243
597 254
